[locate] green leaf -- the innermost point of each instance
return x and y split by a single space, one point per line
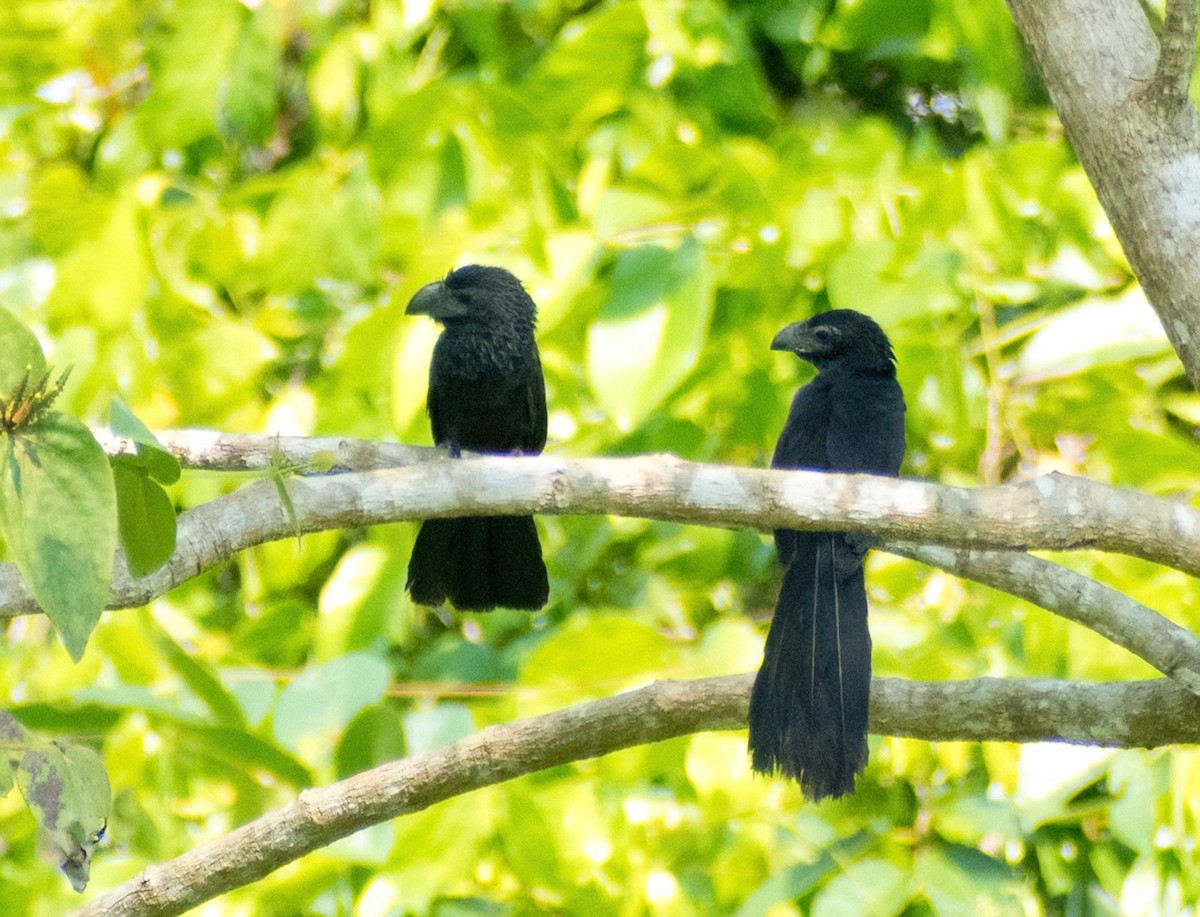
248 92
247 753
145 512
318 705
798 880
958 880
324 224
22 354
201 679
158 462
375 736
68 792
58 514
188 54
146 517
443 725
893 285
586 71
649 332
1095 331
870 886
596 654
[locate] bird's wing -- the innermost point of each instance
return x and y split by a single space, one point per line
866 426
535 403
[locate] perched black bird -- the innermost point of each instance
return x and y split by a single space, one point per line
486 394
808 709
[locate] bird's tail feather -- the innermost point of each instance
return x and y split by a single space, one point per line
808 709
479 563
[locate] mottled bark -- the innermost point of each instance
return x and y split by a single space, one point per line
1127 113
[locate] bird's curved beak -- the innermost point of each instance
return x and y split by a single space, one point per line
794 338
435 301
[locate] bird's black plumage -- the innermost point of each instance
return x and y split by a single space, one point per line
808 709
486 394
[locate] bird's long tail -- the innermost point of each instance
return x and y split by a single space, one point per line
479 563
808 709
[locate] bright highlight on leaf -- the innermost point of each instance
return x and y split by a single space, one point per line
648 334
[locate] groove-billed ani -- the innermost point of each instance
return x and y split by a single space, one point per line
486 394
808 709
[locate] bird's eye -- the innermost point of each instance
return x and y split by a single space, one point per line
823 335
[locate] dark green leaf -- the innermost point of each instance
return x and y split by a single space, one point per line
248 92
247 753
147 519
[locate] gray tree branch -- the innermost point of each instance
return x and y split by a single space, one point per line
1142 714
1124 104
1050 512
1173 650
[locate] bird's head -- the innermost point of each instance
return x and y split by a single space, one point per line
840 336
475 293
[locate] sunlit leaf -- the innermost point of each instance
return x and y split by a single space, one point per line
319 703
22 354
870 886
649 332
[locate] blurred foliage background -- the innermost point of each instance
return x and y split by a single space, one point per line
217 209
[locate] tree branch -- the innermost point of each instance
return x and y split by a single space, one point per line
1171 649
1055 511
210 450
1142 714
1051 512
1176 57
1106 76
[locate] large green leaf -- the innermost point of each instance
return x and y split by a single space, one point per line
58 513
870 886
188 53
650 330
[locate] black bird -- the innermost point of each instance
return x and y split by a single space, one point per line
808 709
486 394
